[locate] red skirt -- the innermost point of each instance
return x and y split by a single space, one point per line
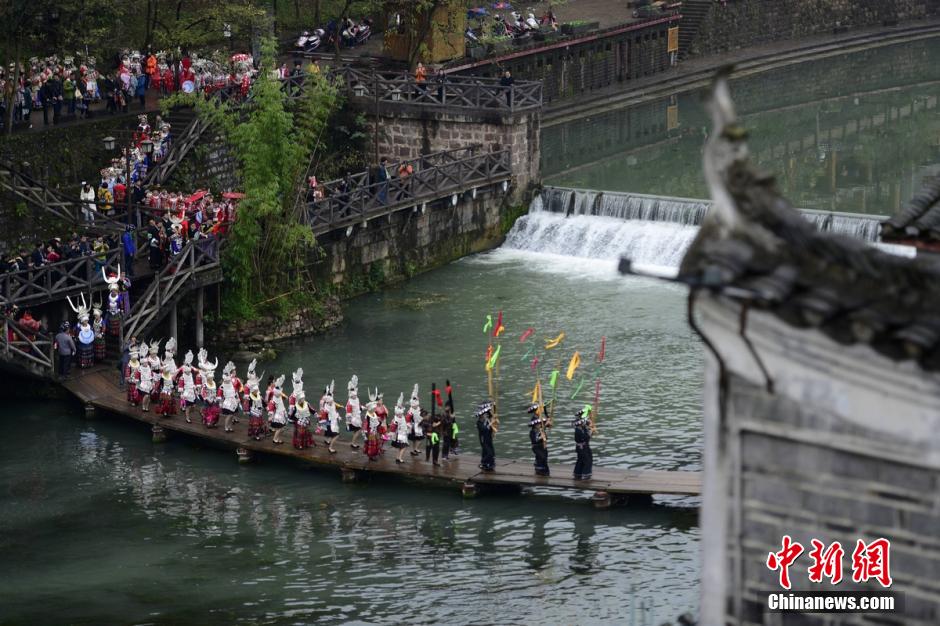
256 426
132 396
303 438
373 446
167 405
101 349
210 416
114 326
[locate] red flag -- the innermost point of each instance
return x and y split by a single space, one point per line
600 356
528 333
437 397
498 327
535 363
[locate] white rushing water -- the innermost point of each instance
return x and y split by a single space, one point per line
568 227
686 211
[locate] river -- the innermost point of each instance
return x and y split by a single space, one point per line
103 526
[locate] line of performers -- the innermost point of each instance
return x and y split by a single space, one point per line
158 382
539 423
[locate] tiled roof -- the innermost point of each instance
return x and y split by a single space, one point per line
919 221
764 253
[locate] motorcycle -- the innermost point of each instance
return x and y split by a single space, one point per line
310 41
357 34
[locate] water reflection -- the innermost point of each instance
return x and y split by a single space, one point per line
855 133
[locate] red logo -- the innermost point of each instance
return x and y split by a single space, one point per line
783 559
869 561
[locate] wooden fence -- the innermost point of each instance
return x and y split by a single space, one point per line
358 198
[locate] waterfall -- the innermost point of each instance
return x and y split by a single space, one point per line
650 230
685 211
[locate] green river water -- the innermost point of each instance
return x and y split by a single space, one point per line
101 526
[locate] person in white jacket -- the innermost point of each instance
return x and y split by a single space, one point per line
87 197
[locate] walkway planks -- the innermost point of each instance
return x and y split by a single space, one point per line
98 388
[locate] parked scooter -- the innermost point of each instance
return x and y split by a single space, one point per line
310 41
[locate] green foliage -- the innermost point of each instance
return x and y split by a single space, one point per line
265 254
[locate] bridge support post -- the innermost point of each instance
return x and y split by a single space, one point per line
244 455
348 474
200 305
173 330
601 500
469 489
159 435
89 411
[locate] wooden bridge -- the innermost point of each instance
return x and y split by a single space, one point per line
97 390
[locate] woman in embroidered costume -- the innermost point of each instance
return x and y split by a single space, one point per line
85 336
329 416
277 411
155 366
130 375
400 432
210 396
229 396
303 438
97 325
297 385
187 386
374 429
414 420
251 379
382 412
144 378
168 371
353 412
115 302
255 409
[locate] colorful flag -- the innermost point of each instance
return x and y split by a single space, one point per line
492 362
499 325
573 365
528 333
488 325
551 343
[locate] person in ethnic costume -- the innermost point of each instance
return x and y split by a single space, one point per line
250 379
238 386
187 386
255 409
400 429
116 304
210 396
297 385
97 325
156 365
584 466
277 410
538 438
414 421
353 412
332 417
382 413
130 375
144 378
168 371
486 428
303 438
85 334
449 425
374 429
229 396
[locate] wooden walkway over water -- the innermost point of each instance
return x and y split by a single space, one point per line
98 390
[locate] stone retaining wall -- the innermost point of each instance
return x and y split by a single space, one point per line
735 24
257 335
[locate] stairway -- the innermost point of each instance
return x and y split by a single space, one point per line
185 131
694 13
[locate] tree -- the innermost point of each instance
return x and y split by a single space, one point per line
266 251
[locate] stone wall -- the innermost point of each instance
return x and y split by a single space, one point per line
575 67
257 335
738 24
409 132
842 448
209 165
395 247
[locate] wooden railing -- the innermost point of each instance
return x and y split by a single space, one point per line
54 281
34 350
196 257
356 198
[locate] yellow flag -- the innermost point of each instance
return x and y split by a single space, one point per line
537 391
573 365
551 343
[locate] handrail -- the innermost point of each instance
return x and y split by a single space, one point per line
351 204
196 256
39 351
54 281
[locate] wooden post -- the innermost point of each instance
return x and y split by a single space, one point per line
348 474
469 490
601 500
159 435
173 329
244 455
200 305
90 411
